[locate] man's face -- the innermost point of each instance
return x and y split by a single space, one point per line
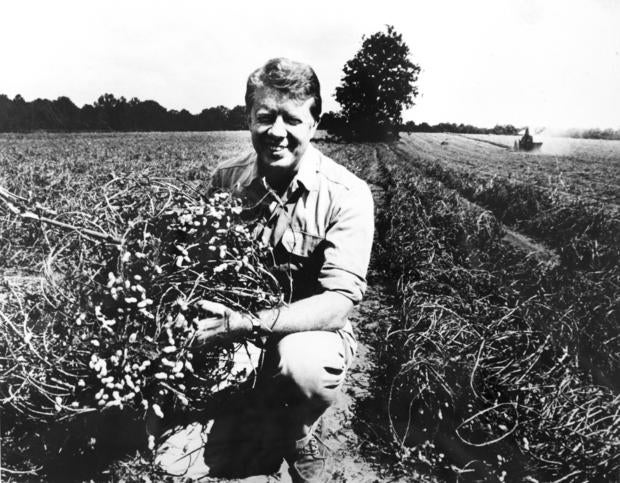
281 129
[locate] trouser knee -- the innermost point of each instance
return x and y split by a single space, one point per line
314 364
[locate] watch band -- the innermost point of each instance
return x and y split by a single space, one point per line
256 327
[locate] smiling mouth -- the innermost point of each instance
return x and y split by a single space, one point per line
276 148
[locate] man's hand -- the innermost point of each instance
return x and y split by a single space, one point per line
224 325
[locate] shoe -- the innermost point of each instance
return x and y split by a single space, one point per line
308 462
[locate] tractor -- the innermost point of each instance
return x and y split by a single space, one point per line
526 143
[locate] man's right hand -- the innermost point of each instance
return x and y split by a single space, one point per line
224 325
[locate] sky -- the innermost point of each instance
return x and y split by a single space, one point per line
544 63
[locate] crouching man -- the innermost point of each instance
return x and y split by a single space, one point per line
318 218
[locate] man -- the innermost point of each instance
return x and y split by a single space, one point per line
318 217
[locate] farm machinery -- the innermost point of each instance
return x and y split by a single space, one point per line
526 143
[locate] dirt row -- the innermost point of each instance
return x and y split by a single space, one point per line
522 242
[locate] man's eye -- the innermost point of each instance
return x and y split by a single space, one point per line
293 121
264 118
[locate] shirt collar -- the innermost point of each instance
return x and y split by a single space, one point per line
308 169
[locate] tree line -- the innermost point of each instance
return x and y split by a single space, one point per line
594 133
460 128
336 123
109 113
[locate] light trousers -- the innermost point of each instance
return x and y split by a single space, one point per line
294 380
302 375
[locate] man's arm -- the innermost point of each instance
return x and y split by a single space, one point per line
325 311
342 278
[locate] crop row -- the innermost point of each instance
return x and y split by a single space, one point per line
588 169
585 234
500 367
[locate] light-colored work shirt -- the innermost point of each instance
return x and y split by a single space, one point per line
321 228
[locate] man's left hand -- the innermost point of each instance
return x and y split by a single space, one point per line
224 325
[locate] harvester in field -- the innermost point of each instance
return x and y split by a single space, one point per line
526 143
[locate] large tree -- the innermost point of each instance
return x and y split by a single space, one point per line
378 83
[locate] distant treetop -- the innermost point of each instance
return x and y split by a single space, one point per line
378 83
109 113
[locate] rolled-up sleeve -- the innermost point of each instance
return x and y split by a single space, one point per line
348 243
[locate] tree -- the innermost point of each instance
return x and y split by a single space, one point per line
67 113
378 83
333 122
237 119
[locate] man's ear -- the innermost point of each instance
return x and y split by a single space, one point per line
317 122
314 127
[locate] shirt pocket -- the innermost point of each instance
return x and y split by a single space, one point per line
300 243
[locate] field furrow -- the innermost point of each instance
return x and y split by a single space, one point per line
584 168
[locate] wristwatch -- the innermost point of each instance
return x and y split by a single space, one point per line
257 327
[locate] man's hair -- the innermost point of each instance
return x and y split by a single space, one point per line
290 78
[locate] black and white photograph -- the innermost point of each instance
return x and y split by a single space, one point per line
331 241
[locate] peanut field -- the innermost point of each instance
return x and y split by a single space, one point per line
492 360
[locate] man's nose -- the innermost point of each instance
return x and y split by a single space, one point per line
278 128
